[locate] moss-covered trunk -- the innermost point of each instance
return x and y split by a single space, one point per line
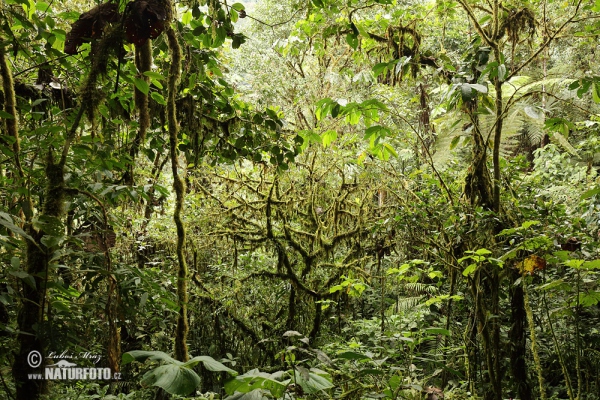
181 333
517 335
31 321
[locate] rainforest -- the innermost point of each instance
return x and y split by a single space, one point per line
300 199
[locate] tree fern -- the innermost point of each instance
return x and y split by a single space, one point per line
524 121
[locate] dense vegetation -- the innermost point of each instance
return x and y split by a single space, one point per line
300 199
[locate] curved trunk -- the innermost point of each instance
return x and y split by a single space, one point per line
181 333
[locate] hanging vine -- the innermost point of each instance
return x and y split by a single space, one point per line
181 351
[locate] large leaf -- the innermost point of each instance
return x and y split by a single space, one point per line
141 356
210 364
590 193
173 378
589 299
317 381
350 355
437 331
594 264
253 380
257 394
141 85
6 221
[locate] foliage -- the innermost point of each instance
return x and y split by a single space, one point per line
366 199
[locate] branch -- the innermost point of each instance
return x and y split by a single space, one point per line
475 23
70 136
546 43
275 24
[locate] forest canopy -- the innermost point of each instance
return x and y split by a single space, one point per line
324 199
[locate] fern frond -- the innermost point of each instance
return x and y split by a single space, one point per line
416 287
564 143
407 303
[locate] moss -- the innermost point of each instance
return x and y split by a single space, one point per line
103 50
9 100
143 62
181 333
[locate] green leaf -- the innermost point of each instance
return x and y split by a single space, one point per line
142 355
5 115
482 252
236 42
589 299
335 288
329 137
350 355
154 75
379 69
19 273
60 306
186 18
594 264
529 224
311 137
210 364
141 85
335 110
256 394
51 240
560 284
479 88
238 6
253 380
454 142
6 221
352 40
574 85
501 73
585 86
373 130
218 40
158 98
394 382
174 379
323 107
590 193
470 269
69 15
316 382
466 92
390 150
437 331
574 263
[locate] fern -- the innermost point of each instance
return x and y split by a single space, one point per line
523 126
419 288
404 304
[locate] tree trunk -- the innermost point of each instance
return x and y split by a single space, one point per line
181 332
517 335
31 341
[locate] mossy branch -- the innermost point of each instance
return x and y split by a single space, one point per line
476 24
544 45
143 62
10 103
181 351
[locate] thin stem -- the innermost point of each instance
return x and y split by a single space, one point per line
534 349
